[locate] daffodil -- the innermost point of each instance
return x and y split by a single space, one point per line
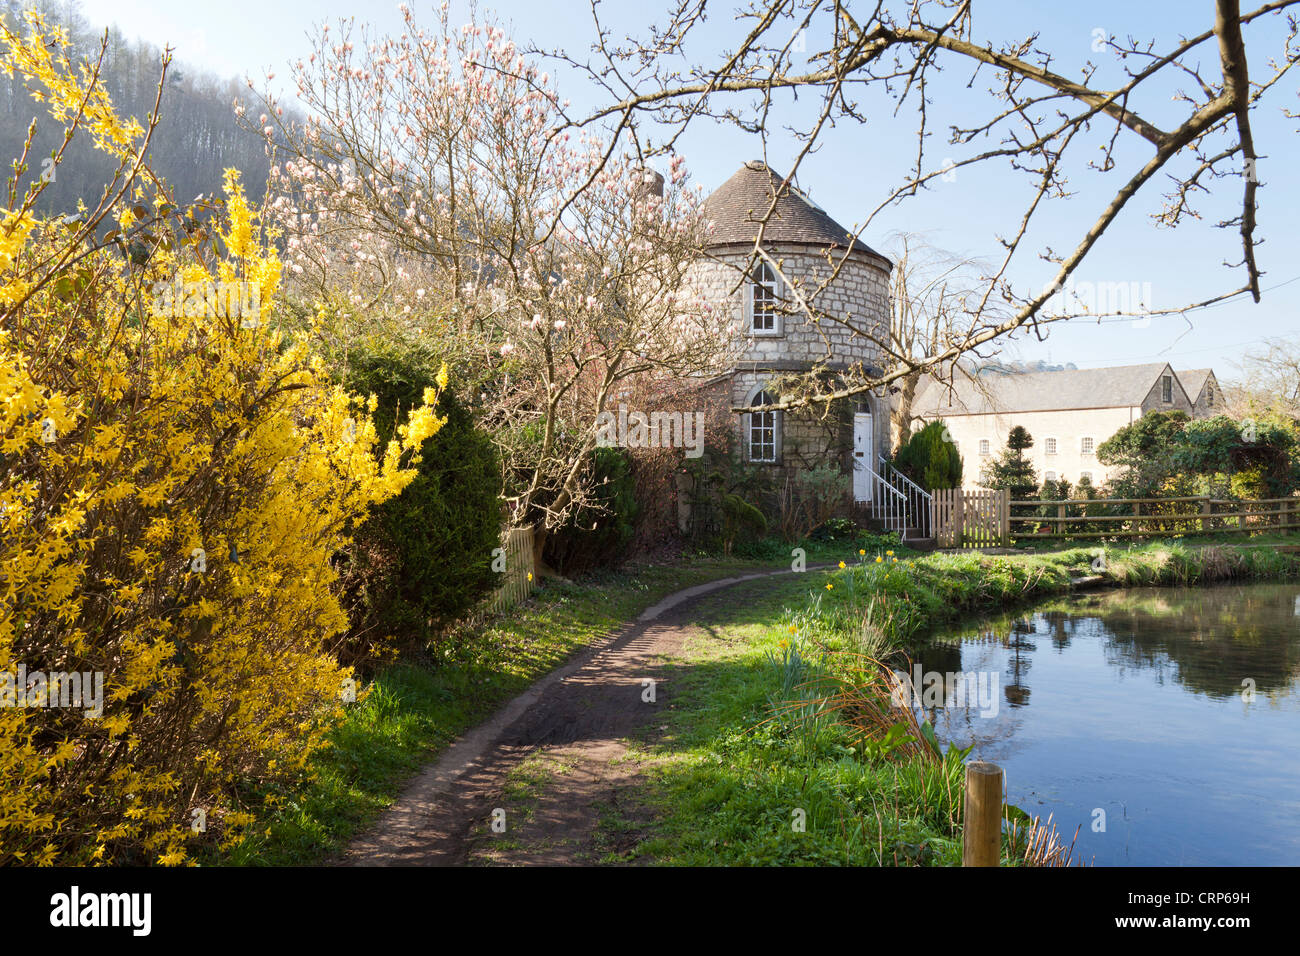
830 587
842 565
879 559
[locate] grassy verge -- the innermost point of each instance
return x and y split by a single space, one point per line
883 605
741 779
758 767
412 711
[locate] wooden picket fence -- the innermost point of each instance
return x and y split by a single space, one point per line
1144 517
520 573
970 519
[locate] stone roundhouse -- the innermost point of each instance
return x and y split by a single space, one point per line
776 339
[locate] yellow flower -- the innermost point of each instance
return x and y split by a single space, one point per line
830 587
783 644
530 575
879 559
890 553
841 565
862 552
894 560
792 629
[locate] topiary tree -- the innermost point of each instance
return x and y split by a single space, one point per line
1012 470
930 458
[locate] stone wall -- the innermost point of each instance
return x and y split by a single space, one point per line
1154 400
1206 406
859 294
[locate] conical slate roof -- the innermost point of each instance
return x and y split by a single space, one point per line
737 207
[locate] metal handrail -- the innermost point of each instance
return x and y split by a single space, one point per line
883 482
906 480
906 508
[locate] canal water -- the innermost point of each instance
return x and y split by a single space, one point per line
1163 723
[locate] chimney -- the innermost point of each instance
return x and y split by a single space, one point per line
652 183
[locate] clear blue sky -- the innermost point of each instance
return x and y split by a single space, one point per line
856 165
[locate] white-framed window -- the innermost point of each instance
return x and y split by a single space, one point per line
1166 388
1049 476
764 293
984 447
763 429
1085 475
1049 446
1086 445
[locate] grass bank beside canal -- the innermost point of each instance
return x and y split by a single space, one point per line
782 748
883 604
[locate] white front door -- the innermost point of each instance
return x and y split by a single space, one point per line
863 456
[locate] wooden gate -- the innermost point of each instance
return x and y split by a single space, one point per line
519 571
971 519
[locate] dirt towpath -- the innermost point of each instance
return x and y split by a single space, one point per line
571 728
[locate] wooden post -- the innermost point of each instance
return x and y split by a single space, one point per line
982 832
1206 509
959 518
1137 514
1060 519
1005 506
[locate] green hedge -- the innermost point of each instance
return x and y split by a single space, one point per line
425 557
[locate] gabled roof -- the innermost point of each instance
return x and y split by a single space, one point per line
737 207
1123 386
1194 380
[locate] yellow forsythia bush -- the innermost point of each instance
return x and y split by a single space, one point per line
175 476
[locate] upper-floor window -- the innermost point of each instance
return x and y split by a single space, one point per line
1086 445
1049 446
762 437
1167 388
984 447
764 319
